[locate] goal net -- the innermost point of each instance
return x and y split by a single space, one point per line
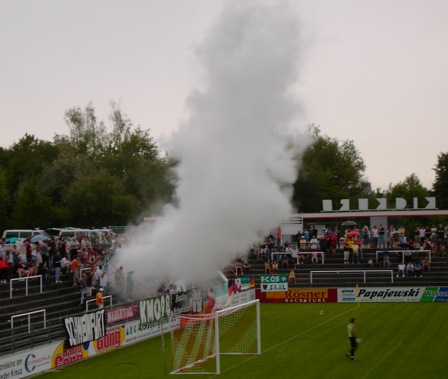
199 342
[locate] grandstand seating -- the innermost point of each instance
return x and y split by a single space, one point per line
438 276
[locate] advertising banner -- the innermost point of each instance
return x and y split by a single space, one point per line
273 283
122 313
380 294
27 363
155 310
435 294
85 328
301 295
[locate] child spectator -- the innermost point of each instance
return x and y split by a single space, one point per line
292 276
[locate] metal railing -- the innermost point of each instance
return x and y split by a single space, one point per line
28 315
26 278
346 272
93 300
403 253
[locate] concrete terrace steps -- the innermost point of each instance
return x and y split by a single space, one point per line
438 276
58 300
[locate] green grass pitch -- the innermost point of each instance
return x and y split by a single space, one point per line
400 340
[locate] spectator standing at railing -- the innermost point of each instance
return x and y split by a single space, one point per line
62 248
57 267
52 248
381 237
66 264
9 261
391 237
314 243
43 247
302 243
15 254
103 280
422 235
440 236
374 237
83 289
401 234
43 270
119 281
2 248
75 270
99 301
28 250
129 285
4 271
365 236
96 278
417 236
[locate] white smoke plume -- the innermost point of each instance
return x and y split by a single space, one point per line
235 170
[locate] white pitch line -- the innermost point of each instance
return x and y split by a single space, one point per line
381 361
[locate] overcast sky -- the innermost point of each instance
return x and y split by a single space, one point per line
374 72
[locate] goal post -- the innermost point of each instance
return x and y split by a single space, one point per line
200 341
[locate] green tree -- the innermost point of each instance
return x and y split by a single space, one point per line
97 201
4 201
87 136
330 169
32 209
408 189
441 181
27 159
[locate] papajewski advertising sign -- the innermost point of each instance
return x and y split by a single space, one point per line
273 283
380 294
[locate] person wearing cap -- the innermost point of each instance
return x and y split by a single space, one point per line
99 299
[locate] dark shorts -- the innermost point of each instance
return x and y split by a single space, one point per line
353 342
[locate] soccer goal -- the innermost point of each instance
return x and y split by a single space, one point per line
199 342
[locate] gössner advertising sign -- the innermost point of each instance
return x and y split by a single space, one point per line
301 295
273 283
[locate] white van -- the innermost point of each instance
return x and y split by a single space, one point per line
76 232
22 233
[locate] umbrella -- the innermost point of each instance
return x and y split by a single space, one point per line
13 240
39 237
349 223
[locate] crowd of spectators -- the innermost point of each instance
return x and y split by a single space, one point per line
83 261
